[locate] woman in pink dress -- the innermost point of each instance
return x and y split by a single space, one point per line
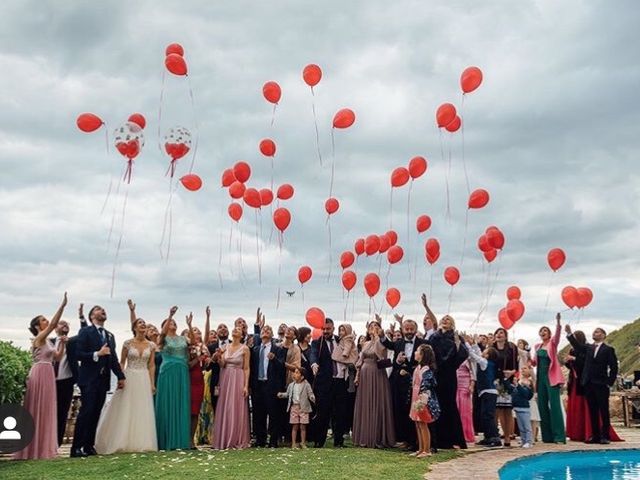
231 427
40 398
464 399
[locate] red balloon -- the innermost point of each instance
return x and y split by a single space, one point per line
393 297
252 198
268 147
417 167
478 198
371 284
242 171
395 254
570 296
315 318
433 258
331 205
285 192
495 237
515 310
483 244
384 243
174 48
237 189
445 114
191 182
282 218
228 177
311 74
455 125
392 236
316 333
556 258
176 150
176 64
359 246
235 211
266 197
451 275
346 259
432 247
490 255
138 119
344 118
88 122
399 177
513 293
272 92
585 295
304 274
349 280
423 223
470 79
504 319
372 244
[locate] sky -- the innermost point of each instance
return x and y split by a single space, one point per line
551 134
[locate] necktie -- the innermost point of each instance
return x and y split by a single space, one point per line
334 365
263 373
101 330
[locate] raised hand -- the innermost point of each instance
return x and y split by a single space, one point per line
132 306
189 319
258 317
173 311
423 299
105 350
567 328
378 319
64 300
208 311
81 310
399 318
558 318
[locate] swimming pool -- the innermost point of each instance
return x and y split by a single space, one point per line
585 465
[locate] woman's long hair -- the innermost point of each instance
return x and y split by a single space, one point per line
428 356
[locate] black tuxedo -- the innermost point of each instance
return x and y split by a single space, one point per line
599 373
264 399
214 379
401 387
331 395
94 378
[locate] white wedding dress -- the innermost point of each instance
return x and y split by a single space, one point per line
127 422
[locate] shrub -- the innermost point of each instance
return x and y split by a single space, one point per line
14 368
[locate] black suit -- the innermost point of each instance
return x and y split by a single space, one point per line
599 373
264 393
214 379
331 395
94 378
401 387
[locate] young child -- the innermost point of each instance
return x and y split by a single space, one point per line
346 351
424 402
487 391
527 372
300 397
521 392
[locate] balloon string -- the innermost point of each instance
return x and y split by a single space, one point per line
280 270
106 143
391 209
258 252
166 217
195 124
546 303
315 123
430 282
113 216
346 305
303 308
220 255
408 228
160 110
464 162
375 309
333 161
273 114
446 178
170 232
386 279
448 175
464 237
117 254
128 171
242 274
272 169
330 247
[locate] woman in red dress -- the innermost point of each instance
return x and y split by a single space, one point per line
578 420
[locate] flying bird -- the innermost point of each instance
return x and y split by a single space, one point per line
291 293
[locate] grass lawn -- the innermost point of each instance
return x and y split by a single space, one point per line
283 463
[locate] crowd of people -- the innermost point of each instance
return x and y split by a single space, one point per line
418 390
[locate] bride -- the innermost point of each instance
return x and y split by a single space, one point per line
127 423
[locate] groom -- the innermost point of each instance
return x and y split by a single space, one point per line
96 351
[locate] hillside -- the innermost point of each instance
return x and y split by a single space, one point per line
624 341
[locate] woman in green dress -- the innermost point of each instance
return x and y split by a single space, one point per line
173 402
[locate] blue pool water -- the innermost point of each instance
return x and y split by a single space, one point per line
590 465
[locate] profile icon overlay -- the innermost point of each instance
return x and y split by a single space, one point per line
16 428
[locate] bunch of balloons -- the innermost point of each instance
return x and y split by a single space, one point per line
514 309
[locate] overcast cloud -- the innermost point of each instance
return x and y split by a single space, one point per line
552 134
